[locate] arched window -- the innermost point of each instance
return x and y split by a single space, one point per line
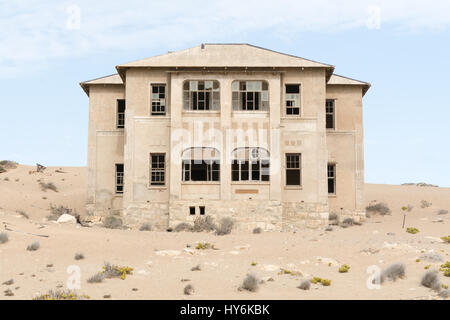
250 95
201 95
201 164
250 164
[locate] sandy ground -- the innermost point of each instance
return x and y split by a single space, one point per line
162 261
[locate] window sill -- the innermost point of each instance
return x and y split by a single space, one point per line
250 112
202 112
200 183
247 183
119 195
157 187
293 187
332 195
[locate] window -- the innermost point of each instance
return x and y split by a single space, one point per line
119 178
293 169
292 99
332 178
201 95
120 113
202 211
192 211
250 95
158 100
158 168
201 164
329 111
250 164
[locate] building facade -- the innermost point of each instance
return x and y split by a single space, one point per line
226 130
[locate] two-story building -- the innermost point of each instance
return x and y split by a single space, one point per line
227 130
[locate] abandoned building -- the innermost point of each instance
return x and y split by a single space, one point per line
268 139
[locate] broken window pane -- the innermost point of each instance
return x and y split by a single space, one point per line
201 95
293 170
250 95
120 113
329 114
158 100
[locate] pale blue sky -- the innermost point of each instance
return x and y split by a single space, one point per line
402 49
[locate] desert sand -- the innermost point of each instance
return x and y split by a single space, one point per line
162 261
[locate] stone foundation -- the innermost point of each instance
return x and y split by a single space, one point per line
300 215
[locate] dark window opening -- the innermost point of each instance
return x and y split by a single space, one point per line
201 95
202 211
158 168
293 170
253 165
158 100
201 170
192 211
292 99
250 95
331 178
120 113
329 114
119 178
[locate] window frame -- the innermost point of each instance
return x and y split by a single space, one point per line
119 177
214 102
158 100
288 168
120 116
239 92
333 114
160 171
262 163
299 99
333 165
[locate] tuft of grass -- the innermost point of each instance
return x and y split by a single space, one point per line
58 211
96 278
61 295
250 283
112 222
305 285
225 226
378 208
428 266
145 227
393 272
113 271
344 268
347 222
425 204
23 214
412 230
431 280
48 186
204 246
254 263
3 237
34 246
183 227
9 282
417 260
290 272
324 282
333 216
257 230
8 164
446 239
202 224
196 268
433 257
442 211
444 286
79 256
188 290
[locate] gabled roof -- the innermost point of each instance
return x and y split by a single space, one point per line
341 80
112 79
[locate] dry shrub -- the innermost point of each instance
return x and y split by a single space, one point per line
58 211
79 256
113 271
425 204
61 295
257 230
393 272
204 224
183 227
145 227
442 211
189 289
378 208
333 216
48 186
225 226
305 285
112 222
23 214
8 164
432 257
96 278
3 237
196 268
34 246
250 283
431 280
347 222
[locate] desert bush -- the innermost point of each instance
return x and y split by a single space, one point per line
444 294
183 227
347 222
8 164
225 226
196 268
250 283
61 295
3 237
393 272
48 186
9 282
378 208
112 222
8 293
145 227
442 211
292 273
433 257
305 285
253 264
431 280
23 214
446 239
412 230
324 282
344 268
34 246
113 271
2 170
188 290
96 278
257 230
202 224
58 211
6 179
79 256
333 216
425 204
204 246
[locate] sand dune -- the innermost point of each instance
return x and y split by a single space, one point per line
162 261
